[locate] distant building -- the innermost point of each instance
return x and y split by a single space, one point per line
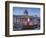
23 19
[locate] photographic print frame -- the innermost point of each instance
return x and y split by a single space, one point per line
7 18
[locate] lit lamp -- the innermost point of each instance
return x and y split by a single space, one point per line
28 19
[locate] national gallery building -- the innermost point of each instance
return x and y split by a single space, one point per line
25 20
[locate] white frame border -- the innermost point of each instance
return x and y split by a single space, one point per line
11 32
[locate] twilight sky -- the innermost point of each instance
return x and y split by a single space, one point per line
31 11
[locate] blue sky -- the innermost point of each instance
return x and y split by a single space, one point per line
31 11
